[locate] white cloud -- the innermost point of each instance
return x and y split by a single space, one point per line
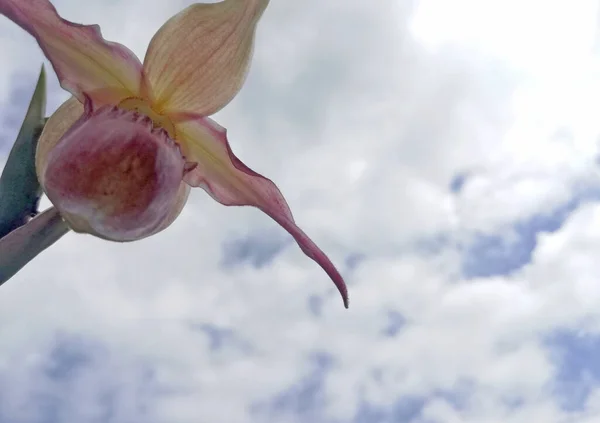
363 113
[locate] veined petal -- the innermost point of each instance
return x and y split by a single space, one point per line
232 183
198 60
82 59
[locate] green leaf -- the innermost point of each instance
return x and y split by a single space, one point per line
20 190
23 244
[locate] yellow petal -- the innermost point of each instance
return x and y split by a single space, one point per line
60 121
82 59
218 171
198 60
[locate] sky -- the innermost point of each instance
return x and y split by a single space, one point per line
444 154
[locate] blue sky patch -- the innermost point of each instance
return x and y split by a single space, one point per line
577 358
494 254
257 249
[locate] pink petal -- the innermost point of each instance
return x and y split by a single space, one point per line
82 59
232 183
114 175
198 60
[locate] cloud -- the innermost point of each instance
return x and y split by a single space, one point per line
450 176
41 385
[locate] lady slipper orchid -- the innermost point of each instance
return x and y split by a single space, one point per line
118 158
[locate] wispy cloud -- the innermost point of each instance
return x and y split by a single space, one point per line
444 156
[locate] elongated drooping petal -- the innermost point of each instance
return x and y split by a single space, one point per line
198 60
114 175
232 183
82 59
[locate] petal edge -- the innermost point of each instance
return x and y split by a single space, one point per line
81 58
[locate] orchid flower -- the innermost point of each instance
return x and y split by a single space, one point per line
117 160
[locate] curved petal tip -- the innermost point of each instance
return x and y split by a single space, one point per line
232 183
